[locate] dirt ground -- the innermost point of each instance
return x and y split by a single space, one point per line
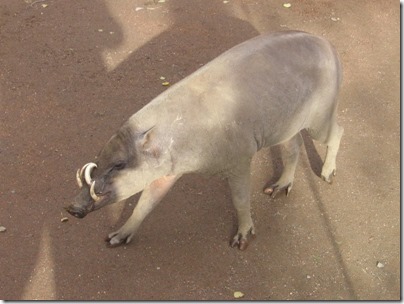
71 72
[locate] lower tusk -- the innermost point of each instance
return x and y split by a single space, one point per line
94 196
78 179
87 172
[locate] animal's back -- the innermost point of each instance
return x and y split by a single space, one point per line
259 93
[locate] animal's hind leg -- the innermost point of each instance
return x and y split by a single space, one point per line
290 158
330 134
329 166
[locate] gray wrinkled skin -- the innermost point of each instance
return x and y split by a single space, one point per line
260 93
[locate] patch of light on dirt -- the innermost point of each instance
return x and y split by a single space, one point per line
41 284
247 12
135 28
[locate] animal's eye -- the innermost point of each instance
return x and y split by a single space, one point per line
119 165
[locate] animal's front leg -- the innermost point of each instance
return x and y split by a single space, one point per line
150 197
240 191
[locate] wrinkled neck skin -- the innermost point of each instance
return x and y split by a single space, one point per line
132 181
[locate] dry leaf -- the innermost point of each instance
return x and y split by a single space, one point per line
165 83
238 294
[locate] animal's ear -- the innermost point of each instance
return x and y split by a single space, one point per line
147 143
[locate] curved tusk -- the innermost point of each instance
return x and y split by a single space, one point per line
78 179
94 196
87 172
82 170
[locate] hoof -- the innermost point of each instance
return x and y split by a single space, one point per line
273 190
110 244
241 241
328 177
115 239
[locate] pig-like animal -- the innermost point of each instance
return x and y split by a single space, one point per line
260 93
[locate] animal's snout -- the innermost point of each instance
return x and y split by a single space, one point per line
76 211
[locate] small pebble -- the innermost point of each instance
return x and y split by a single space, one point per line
2 229
287 5
65 219
379 265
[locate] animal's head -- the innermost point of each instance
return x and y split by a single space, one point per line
122 169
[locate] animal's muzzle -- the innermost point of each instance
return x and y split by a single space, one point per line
76 212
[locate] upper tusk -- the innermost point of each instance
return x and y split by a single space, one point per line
87 172
82 170
94 196
78 179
